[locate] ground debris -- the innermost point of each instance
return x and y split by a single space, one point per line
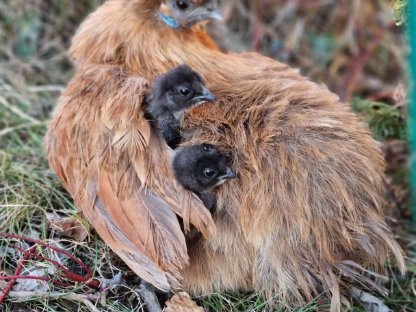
69 227
182 302
370 303
32 284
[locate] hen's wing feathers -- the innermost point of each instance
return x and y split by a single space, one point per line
118 171
148 239
138 157
130 253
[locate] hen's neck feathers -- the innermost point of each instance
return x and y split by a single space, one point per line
131 34
143 6
142 43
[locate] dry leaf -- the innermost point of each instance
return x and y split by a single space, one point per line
112 282
3 285
32 284
182 302
69 227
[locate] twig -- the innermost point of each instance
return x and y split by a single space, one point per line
19 127
359 62
51 88
17 111
256 33
19 269
85 299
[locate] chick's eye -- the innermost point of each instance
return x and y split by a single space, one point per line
183 5
184 92
208 148
209 173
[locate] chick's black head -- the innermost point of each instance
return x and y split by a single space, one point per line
201 168
179 89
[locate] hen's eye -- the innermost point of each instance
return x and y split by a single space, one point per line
184 92
182 5
209 173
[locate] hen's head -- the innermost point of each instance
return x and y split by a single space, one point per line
187 13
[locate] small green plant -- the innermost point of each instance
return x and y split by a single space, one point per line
385 121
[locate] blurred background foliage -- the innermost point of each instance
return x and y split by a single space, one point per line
400 10
356 47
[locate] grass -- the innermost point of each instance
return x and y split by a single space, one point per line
34 69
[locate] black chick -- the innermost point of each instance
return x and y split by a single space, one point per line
201 168
172 93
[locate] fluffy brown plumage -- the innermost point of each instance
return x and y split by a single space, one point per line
304 215
119 173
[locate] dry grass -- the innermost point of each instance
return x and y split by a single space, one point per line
324 38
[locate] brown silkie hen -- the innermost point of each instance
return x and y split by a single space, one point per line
304 215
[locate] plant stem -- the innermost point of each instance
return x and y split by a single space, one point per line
19 269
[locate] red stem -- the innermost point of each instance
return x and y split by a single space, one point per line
61 251
40 257
92 284
359 62
39 278
256 35
68 274
19 269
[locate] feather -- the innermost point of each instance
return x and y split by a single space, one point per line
118 171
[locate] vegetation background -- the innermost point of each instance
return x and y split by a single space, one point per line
356 47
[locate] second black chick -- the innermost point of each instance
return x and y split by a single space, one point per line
172 93
201 168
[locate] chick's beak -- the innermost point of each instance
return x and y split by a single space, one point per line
206 96
230 174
